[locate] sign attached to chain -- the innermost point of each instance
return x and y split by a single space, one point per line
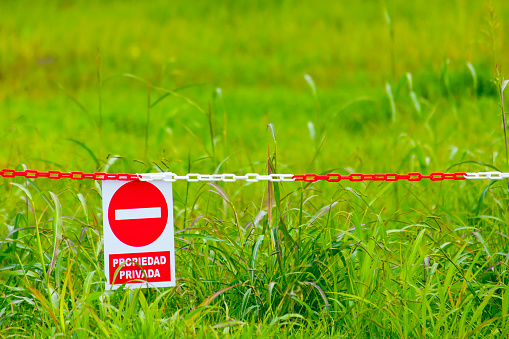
139 245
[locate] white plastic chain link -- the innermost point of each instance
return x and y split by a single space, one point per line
193 177
255 177
487 175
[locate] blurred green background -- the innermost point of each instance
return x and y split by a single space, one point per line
61 61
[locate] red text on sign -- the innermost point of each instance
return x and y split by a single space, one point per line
134 268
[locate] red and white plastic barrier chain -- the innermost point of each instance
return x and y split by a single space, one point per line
254 177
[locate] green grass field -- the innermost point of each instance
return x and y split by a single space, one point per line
367 87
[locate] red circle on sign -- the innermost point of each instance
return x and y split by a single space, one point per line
138 213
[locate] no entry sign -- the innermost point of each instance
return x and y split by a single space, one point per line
138 234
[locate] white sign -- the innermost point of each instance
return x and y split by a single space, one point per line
139 247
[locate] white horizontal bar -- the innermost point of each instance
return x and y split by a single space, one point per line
138 213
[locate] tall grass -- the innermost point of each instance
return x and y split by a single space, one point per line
308 259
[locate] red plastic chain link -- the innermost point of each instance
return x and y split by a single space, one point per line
31 174
413 176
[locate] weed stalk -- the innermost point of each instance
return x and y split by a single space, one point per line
501 84
148 121
100 85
